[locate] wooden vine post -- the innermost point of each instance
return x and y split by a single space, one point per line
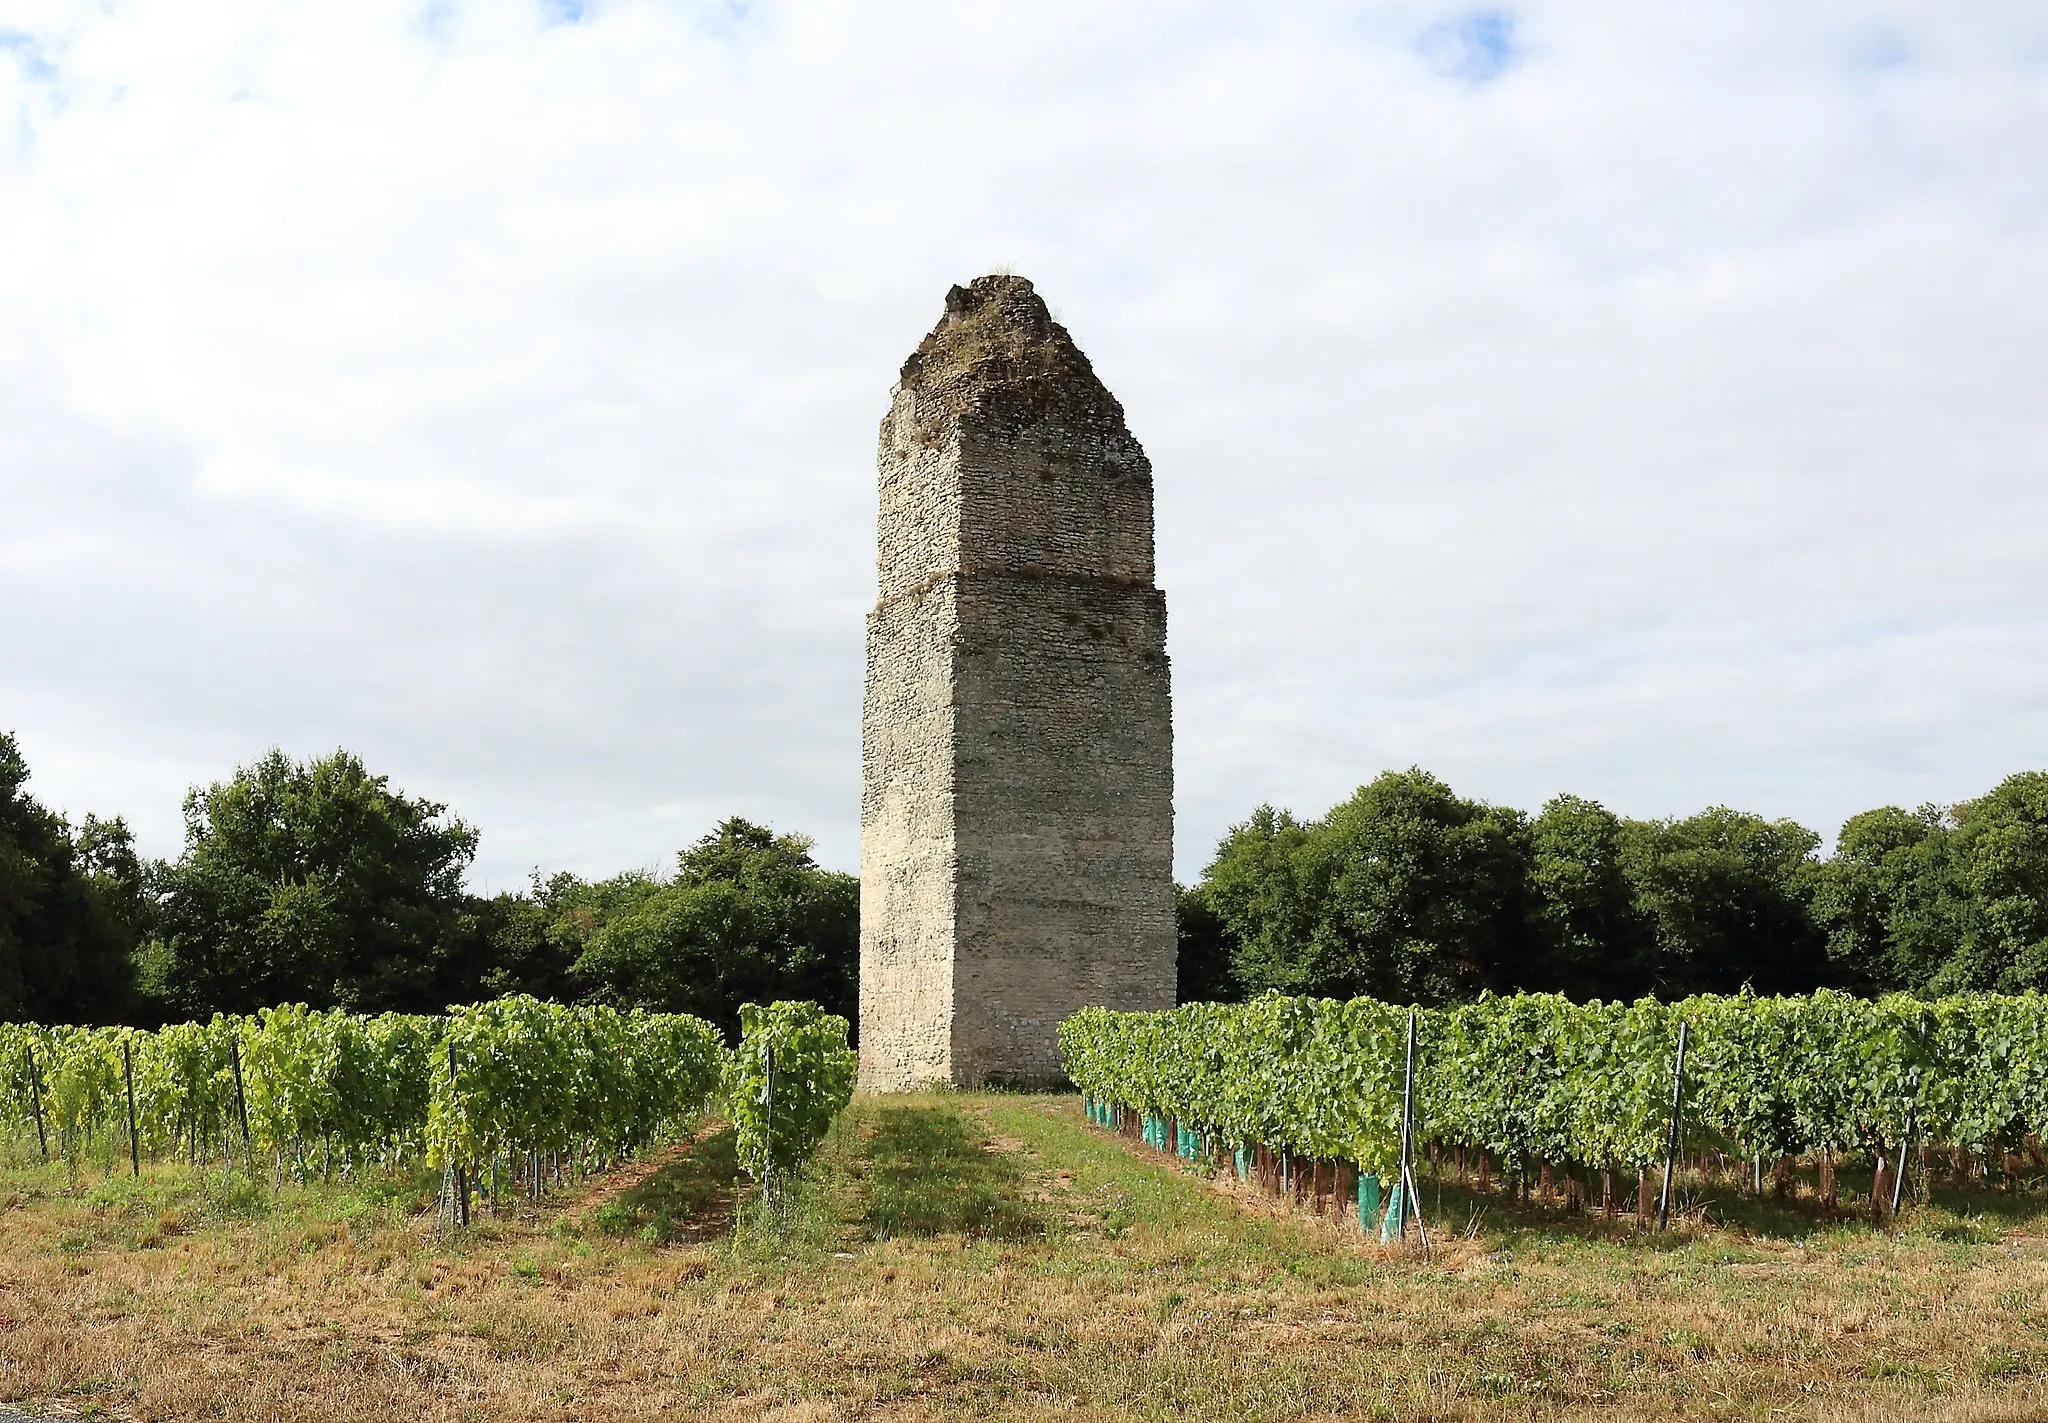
35 1101
128 1074
458 1175
241 1097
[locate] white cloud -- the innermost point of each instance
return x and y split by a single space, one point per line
1655 417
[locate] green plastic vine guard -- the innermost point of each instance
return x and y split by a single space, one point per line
1368 1201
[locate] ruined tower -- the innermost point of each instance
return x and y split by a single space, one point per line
1017 739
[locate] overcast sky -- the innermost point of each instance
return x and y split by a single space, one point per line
1644 401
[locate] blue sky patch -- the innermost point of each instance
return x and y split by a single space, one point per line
563 12
728 19
27 53
1881 50
1474 47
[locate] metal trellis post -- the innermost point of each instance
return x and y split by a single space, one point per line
1671 1138
768 1126
1411 1199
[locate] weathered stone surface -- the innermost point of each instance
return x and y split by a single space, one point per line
1017 745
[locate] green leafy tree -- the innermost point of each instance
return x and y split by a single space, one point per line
1933 901
1588 938
71 908
1999 868
1725 895
1884 899
313 882
520 948
1202 969
1406 891
1257 886
748 916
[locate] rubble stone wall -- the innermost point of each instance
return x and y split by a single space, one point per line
1017 800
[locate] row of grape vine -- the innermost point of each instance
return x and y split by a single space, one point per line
527 1086
1535 1079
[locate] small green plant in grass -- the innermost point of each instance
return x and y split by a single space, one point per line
2010 1364
1964 1232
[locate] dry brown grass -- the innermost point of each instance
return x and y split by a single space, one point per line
1148 1293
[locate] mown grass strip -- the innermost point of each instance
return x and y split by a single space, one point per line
928 1171
688 1199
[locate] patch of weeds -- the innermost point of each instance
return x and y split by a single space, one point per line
124 1193
690 1199
233 1196
1901 1369
929 1172
1117 1211
1964 1232
403 1195
802 1222
1689 1341
2011 1364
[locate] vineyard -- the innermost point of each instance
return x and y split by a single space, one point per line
1537 1083
514 1090
954 1253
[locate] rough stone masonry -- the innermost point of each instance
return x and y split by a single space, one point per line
1017 737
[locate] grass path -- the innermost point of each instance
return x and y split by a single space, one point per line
987 1256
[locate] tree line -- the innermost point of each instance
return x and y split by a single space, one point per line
318 882
1411 893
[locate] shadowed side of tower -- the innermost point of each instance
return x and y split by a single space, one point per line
1017 752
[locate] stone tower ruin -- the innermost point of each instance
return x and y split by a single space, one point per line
1017 738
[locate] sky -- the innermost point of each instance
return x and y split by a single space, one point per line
1647 402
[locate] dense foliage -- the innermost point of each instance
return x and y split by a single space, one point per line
1404 891
517 1074
310 1082
780 1116
1537 1078
310 882
72 907
1943 901
1407 891
748 917
327 1088
332 1089
319 882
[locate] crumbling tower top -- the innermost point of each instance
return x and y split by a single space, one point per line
1003 452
